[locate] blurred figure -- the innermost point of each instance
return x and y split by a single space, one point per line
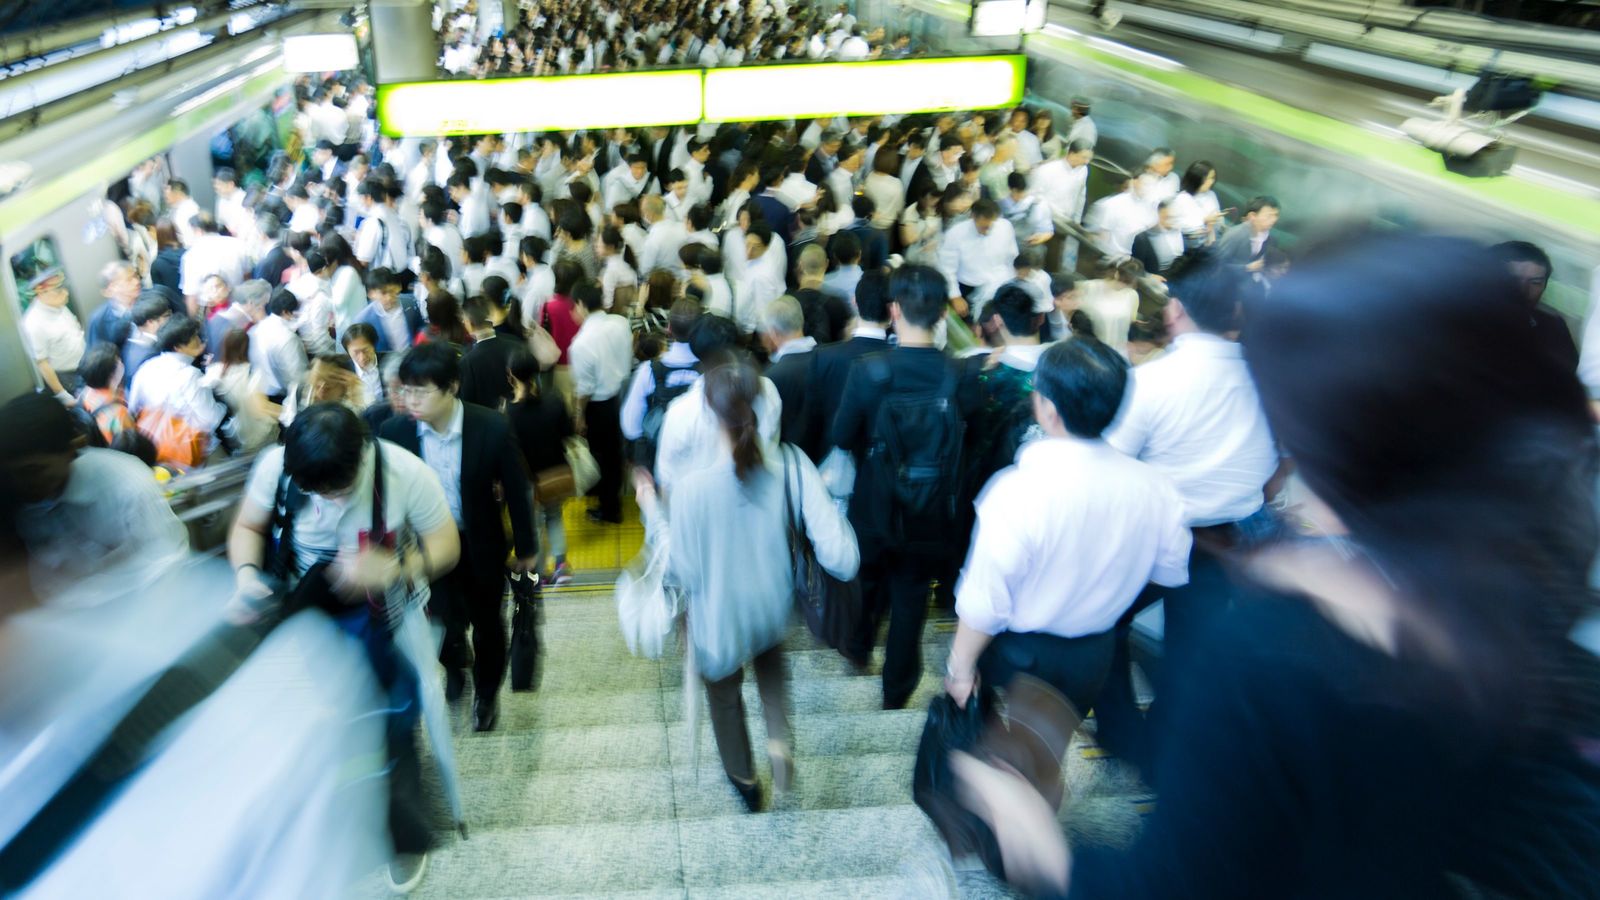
730 552
1531 268
1394 707
542 426
93 521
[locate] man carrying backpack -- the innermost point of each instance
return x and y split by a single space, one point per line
659 382
903 416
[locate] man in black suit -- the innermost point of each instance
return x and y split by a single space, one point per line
830 364
483 367
475 454
822 160
783 331
894 576
1246 244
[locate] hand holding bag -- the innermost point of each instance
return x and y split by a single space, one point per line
831 607
585 471
647 607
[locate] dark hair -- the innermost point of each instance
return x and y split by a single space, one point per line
699 217
444 318
179 331
534 247
522 366
714 340
283 303
149 307
134 443
359 331
1195 176
846 248
1085 381
920 292
567 272
760 232
1214 295
682 319
872 297
589 294
1014 305
476 309
1257 204
862 206
98 365
1016 181
731 390
1522 251
337 250
1449 459
322 450
985 209
434 363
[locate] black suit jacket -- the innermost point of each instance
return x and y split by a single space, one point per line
912 369
830 366
491 468
483 372
791 375
1234 246
1145 253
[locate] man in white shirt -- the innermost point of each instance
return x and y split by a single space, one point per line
1194 414
1063 183
842 179
1116 220
169 382
212 253
232 214
383 239
853 48
1083 127
625 183
472 196
976 256
1029 151
746 177
760 283
439 231
663 238
182 209
1066 539
601 359
276 354
698 186
54 336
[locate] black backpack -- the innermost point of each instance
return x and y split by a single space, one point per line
644 449
912 472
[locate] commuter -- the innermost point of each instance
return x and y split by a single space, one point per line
1246 244
538 283
348 291
995 174
1389 725
904 549
150 313
182 210
975 256
1116 220
394 317
761 283
728 534
474 453
790 353
330 379
602 359
1531 268
665 236
446 325
53 335
625 183
822 160
1196 210
1111 524
120 285
560 318
831 366
93 521
170 387
884 188
1158 182
360 343
166 269
247 307
439 231
1158 247
921 228
327 473
541 423
689 438
1063 184
617 276
1083 127
1194 414
233 381
212 253
102 398
483 366
841 282
660 381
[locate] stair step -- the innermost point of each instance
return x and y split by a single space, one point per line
597 860
777 847
931 885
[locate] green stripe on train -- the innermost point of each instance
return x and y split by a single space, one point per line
1549 204
116 162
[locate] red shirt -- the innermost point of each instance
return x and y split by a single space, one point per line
559 321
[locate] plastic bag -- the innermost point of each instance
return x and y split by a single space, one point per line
585 471
647 607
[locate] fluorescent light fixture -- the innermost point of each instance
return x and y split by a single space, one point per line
882 87
561 103
320 53
1003 18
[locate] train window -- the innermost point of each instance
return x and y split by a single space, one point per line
40 258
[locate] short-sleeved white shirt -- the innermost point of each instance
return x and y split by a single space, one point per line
55 335
412 499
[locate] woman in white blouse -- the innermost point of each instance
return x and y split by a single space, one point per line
347 294
1112 300
1196 210
728 534
920 228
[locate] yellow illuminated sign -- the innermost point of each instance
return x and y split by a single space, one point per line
878 87
683 97
559 103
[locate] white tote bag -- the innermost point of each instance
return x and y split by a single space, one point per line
647 606
585 471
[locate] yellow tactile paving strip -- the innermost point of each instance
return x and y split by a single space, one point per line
594 549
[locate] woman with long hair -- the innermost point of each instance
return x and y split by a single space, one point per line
542 426
1196 210
729 550
238 386
1399 702
166 269
445 322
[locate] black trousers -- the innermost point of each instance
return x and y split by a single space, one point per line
905 588
1076 667
474 601
605 442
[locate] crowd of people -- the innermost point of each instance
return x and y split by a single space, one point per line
913 343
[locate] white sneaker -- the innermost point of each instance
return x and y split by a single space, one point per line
406 871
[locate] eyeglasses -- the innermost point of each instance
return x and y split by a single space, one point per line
411 392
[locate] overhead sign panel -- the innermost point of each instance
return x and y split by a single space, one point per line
879 87
558 103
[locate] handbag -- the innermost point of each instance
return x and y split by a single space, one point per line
525 631
647 607
831 607
585 471
177 442
543 346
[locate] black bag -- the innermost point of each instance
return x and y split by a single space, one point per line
525 632
644 449
949 729
831 608
912 472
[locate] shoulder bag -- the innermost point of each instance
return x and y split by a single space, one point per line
831 607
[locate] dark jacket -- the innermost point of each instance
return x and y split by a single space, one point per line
874 245
912 369
778 216
1233 247
109 325
542 426
826 314
1146 254
491 467
483 372
167 268
830 366
791 375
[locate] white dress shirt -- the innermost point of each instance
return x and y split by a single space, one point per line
1067 538
447 237
841 182
616 273
601 356
442 452
537 288
1118 219
277 355
700 186
382 240
795 191
1083 130
1063 187
1189 211
661 246
214 254
984 261
692 437
1194 414
621 187
183 214
756 290
170 382
680 361
54 334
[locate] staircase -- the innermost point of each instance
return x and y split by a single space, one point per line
587 788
